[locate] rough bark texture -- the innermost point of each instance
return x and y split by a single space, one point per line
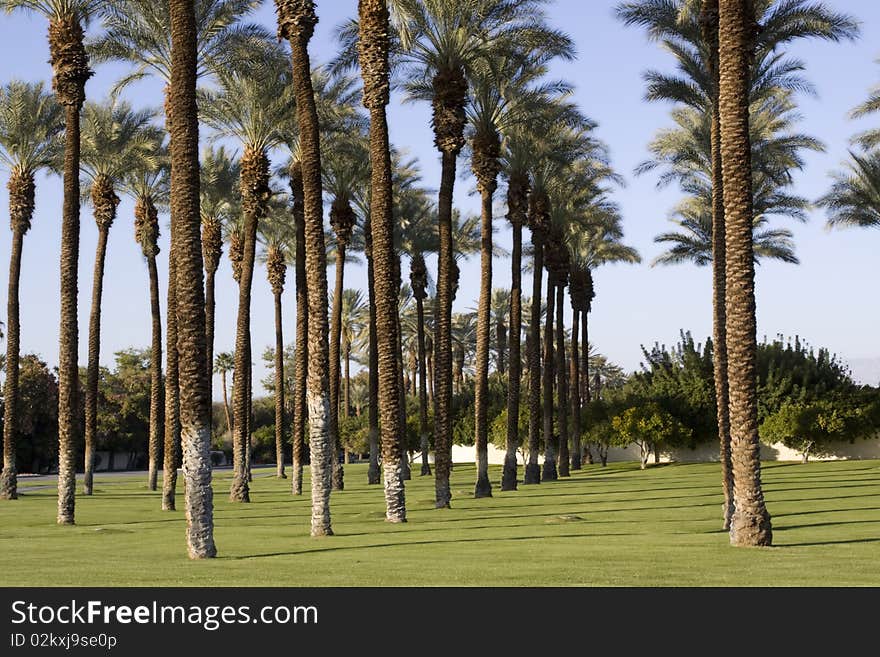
146 226
212 251
301 355
276 272
750 524
418 277
373 48
254 197
586 389
296 22
517 201
373 474
574 392
104 201
21 208
486 153
709 27
195 405
561 380
70 67
172 389
549 471
342 219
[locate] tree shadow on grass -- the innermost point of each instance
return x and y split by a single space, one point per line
844 541
409 543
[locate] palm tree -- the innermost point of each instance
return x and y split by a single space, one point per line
417 239
345 166
689 29
440 43
750 523
223 363
296 23
147 184
219 202
70 68
248 107
30 140
195 406
854 198
115 140
500 316
277 237
354 311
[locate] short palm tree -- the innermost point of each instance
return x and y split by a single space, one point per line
251 108
223 364
30 141
219 202
352 319
195 405
296 23
276 234
70 69
499 318
115 140
147 184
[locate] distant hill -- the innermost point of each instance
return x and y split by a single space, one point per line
865 370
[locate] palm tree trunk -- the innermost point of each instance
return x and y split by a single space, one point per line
301 355
481 379
297 22
210 306
338 482
533 347
373 475
586 389
429 367
248 456
195 405
172 389
279 391
156 388
575 391
561 382
68 372
254 182
405 473
423 386
549 472
346 389
226 402
443 339
70 71
8 479
91 410
750 524
709 25
509 475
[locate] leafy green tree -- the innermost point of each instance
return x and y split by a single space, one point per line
650 427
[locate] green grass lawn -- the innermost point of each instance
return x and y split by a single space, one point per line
603 526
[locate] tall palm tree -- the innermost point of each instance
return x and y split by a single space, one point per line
689 29
373 50
750 523
296 23
30 140
147 184
249 107
70 69
219 202
345 167
115 140
440 43
224 363
195 406
277 238
354 312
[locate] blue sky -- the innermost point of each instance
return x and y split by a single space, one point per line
823 300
